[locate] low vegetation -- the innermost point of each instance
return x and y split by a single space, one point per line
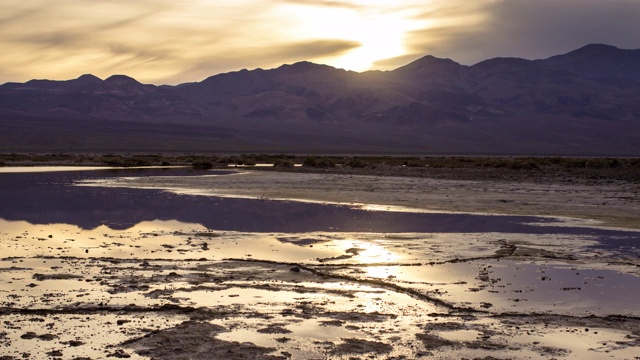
629 168
213 161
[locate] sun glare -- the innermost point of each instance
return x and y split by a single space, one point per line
380 34
382 272
369 252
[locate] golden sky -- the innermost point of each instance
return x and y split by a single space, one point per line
175 41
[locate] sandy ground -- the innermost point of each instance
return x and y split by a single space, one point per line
170 290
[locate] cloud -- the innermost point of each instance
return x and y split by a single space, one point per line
396 62
266 56
531 29
146 39
313 49
326 3
17 15
168 41
158 41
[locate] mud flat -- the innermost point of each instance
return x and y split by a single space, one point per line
173 289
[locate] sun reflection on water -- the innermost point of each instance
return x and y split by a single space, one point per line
388 272
366 252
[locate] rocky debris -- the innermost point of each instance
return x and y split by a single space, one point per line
73 343
42 277
431 341
274 329
194 340
332 323
119 354
31 335
359 346
28 336
55 353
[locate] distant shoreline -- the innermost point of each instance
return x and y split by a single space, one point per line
608 197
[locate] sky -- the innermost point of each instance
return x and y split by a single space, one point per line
177 41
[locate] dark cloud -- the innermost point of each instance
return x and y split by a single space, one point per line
313 49
15 16
396 62
268 56
53 38
534 29
262 57
135 52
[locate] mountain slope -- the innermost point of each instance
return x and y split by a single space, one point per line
581 103
598 61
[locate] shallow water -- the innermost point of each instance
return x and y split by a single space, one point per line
50 197
80 255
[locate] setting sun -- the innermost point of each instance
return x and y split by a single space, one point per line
378 34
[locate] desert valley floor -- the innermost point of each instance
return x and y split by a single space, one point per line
247 264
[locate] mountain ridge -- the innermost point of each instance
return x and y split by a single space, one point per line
584 102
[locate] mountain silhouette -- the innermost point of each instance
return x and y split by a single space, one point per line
584 102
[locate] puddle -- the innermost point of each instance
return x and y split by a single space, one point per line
584 343
460 335
301 340
44 198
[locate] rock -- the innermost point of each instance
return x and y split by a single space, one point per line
28 336
119 354
47 337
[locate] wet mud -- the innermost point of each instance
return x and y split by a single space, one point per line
168 289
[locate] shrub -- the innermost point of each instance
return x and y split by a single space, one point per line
414 163
357 163
602 163
313 161
522 165
133 162
283 164
246 162
202 165
575 163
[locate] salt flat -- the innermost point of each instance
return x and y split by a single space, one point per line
336 286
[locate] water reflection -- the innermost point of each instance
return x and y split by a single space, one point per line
180 253
45 198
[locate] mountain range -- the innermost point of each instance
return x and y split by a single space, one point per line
585 102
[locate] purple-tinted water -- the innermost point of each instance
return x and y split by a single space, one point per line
50 197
